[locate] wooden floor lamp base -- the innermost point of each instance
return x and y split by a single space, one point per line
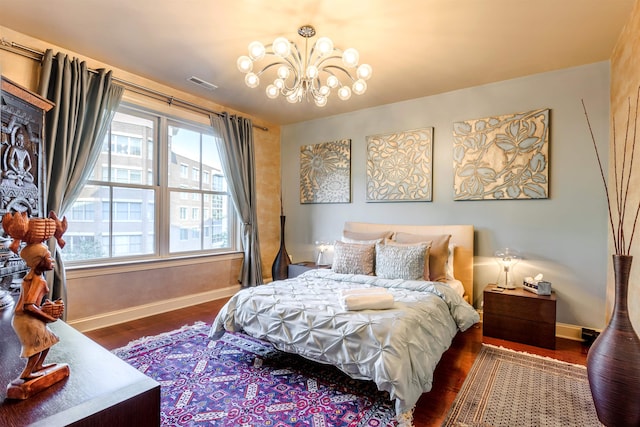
23 389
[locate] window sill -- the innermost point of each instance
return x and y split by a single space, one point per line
90 270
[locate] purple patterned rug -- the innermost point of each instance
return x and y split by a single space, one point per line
242 381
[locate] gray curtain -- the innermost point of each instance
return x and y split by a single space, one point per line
238 165
85 102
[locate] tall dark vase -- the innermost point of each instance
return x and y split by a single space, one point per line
280 267
613 362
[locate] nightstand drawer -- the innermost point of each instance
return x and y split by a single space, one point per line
294 270
521 304
519 330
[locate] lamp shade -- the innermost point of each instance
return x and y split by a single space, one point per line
506 258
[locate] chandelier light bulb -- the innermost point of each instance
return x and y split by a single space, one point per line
364 71
350 57
312 72
245 64
324 91
292 98
252 80
283 72
344 93
332 81
324 46
272 91
256 50
282 47
321 101
279 83
359 87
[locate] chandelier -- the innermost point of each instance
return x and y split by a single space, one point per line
309 75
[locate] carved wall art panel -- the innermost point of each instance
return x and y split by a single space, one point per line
325 172
21 149
503 157
399 166
22 164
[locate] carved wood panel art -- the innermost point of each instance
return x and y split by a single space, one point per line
325 172
501 158
22 163
399 166
21 149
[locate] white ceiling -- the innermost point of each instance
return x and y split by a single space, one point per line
415 47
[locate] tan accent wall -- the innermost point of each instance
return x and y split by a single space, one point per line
625 81
92 295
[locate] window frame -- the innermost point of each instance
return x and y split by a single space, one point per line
162 190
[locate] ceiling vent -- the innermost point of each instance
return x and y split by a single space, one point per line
202 83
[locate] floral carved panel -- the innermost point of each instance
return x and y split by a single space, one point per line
325 172
504 157
399 166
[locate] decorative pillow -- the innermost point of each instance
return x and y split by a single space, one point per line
425 274
449 268
353 258
374 235
364 242
400 261
437 255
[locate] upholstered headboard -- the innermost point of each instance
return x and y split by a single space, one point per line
461 238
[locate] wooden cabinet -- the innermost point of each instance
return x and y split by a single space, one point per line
101 390
521 316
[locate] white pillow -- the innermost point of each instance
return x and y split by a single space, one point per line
449 265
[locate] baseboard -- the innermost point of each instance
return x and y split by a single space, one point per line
563 330
132 313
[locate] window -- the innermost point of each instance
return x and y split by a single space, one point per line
137 205
196 148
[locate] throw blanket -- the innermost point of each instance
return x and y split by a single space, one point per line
366 299
397 348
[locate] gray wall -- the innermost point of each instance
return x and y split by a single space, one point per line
564 236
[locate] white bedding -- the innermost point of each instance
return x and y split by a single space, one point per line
456 285
397 348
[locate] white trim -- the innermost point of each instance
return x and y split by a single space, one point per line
132 313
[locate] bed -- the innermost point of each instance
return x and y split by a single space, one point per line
390 327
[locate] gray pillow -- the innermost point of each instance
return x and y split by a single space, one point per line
353 258
401 261
438 254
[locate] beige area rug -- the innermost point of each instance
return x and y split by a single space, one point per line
509 388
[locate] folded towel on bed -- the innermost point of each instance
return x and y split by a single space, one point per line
366 299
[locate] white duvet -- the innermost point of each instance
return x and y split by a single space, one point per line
398 348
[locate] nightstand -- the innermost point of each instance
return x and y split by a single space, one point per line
521 316
300 267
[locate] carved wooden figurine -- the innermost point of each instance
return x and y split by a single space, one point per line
31 316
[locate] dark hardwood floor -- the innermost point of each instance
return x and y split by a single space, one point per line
432 407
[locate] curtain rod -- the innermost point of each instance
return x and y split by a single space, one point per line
37 55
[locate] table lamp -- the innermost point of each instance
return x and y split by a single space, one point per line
506 258
322 247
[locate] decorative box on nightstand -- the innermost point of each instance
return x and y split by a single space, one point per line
521 316
299 268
